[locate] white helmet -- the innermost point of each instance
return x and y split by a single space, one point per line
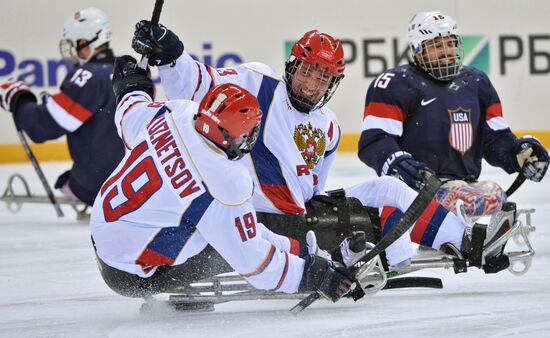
423 31
89 24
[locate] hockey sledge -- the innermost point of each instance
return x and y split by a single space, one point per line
203 295
517 262
14 200
372 277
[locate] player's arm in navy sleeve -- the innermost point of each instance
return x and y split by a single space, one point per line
383 120
63 113
498 139
37 122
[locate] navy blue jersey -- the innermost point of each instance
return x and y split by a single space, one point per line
84 111
450 126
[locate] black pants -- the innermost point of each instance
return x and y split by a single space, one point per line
206 264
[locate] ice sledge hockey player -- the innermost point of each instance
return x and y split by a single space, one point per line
178 209
438 115
297 143
83 110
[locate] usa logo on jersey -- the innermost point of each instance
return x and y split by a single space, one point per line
461 133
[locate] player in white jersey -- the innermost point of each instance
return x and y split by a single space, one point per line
298 139
177 208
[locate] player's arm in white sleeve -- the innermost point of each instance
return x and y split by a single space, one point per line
333 140
187 79
134 111
235 234
190 79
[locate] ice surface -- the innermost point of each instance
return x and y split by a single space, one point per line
50 286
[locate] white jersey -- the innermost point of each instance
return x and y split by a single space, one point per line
291 160
307 142
175 192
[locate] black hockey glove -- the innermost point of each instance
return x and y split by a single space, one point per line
322 275
128 77
403 166
532 158
162 46
12 92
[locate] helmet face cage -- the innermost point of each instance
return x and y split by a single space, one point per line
435 44
68 52
299 102
319 58
242 145
441 57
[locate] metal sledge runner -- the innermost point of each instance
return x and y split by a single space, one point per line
203 295
494 256
14 200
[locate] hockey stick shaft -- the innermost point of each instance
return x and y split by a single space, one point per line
38 170
516 184
406 221
154 21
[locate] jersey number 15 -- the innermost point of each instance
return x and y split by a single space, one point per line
383 80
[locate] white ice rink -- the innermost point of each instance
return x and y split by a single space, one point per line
50 287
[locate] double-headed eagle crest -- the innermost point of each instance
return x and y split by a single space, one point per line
311 142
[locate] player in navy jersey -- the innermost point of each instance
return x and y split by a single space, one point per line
83 110
438 115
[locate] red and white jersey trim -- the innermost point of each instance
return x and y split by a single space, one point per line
498 123
67 113
388 125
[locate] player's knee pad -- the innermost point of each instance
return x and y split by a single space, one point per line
335 216
332 218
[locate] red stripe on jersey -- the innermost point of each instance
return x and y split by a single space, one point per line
282 199
386 212
420 226
150 258
136 152
264 264
330 132
209 69
294 246
285 272
199 80
72 107
124 101
122 119
494 110
384 110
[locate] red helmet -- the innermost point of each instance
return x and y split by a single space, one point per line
320 49
230 117
325 54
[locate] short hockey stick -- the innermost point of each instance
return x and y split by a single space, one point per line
38 170
154 21
425 196
516 184
536 152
